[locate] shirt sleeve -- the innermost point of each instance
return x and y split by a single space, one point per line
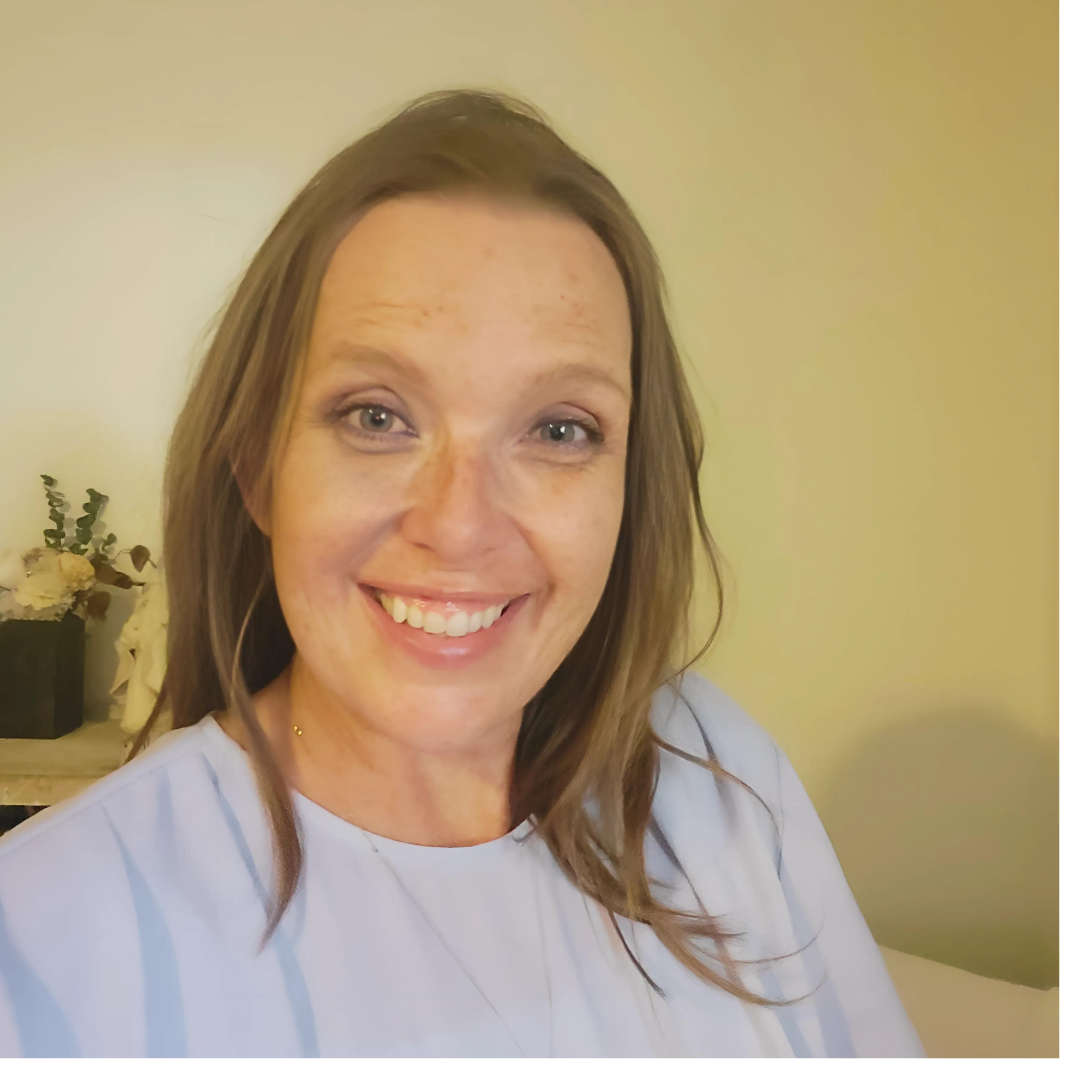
859 1009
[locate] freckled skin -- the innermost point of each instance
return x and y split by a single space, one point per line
463 492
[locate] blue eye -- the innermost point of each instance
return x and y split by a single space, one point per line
370 420
562 432
373 418
381 419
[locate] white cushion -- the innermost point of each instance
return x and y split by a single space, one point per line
958 1014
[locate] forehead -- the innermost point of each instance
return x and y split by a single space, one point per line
471 270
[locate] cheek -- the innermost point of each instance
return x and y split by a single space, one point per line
575 525
325 520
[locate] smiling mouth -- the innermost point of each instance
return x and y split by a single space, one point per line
446 618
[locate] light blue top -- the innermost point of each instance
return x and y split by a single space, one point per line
130 917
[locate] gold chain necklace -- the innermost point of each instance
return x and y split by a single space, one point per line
457 960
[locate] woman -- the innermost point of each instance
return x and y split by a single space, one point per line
438 783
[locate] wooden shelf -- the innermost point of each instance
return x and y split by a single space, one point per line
41 772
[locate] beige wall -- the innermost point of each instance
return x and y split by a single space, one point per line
855 202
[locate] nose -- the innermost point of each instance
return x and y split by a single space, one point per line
452 508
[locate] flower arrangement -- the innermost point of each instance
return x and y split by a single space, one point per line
68 572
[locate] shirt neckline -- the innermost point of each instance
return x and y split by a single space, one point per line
363 840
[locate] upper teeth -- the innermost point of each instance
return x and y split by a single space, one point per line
453 624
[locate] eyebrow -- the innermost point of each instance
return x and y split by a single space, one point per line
372 356
348 352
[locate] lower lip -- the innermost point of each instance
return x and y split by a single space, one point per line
439 650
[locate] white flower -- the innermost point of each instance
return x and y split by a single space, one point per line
44 587
46 614
10 608
77 571
12 569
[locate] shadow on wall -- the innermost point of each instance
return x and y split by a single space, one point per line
947 829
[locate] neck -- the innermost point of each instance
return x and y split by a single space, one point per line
454 797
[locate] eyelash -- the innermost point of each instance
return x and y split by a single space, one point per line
594 435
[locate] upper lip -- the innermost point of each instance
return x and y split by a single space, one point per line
425 592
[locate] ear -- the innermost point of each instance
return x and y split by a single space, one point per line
255 502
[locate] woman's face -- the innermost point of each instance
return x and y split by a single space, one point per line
459 445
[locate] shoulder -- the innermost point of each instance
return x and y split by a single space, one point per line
733 815
93 892
719 828
75 836
699 718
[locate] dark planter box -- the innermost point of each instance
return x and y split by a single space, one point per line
41 677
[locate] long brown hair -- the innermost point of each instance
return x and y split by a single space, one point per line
586 736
